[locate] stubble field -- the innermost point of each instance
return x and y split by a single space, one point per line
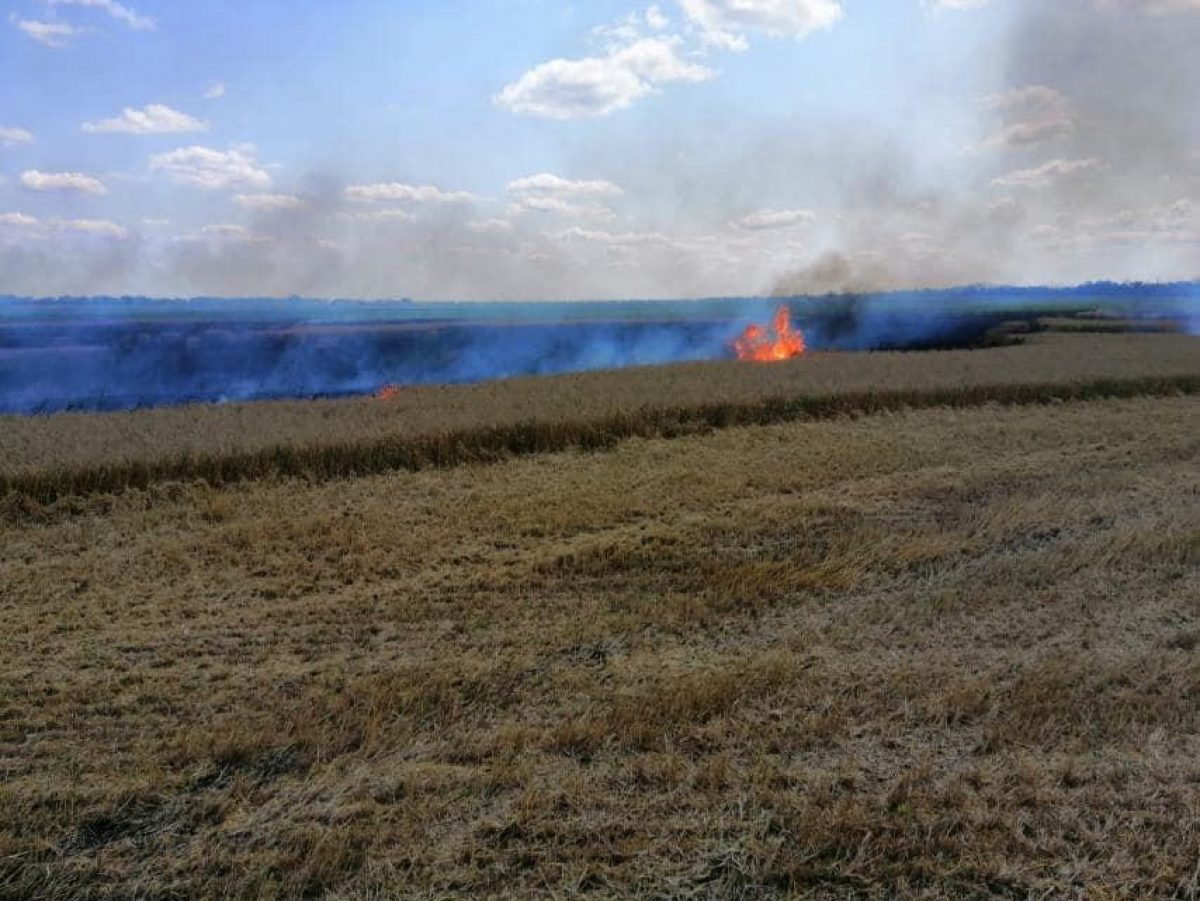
935 651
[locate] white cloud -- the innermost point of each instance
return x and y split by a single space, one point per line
387 215
76 182
956 4
1030 115
213 169
612 239
600 85
224 232
51 34
1027 100
101 227
723 22
547 193
395 192
31 227
215 91
1027 134
10 135
273 202
1159 226
491 227
655 18
545 184
1055 170
116 10
152 119
766 220
20 220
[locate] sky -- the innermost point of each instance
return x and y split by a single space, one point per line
541 149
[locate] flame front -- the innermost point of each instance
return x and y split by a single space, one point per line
388 392
767 345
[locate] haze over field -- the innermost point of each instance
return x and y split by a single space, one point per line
607 149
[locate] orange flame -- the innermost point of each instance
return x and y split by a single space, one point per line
388 392
780 342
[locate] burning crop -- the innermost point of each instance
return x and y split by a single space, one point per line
779 341
107 354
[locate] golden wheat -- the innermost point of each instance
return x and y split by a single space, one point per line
42 460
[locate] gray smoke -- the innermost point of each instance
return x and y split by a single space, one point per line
1088 166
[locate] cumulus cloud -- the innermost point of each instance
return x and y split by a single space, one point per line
226 232
491 227
390 215
1029 99
1048 173
99 227
1027 134
1172 225
599 85
74 182
1030 116
17 220
152 119
270 202
612 239
50 34
397 192
655 18
117 10
955 4
768 220
21 225
547 193
10 135
204 167
215 91
636 64
724 22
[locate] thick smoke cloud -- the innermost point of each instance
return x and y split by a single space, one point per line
81 264
116 353
1089 166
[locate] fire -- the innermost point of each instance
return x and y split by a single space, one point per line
388 392
766 345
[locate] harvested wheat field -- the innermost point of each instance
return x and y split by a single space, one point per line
950 651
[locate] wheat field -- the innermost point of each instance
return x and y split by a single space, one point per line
925 653
45 459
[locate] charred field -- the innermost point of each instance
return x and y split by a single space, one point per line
895 624
113 354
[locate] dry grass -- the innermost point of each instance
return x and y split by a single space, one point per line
44 459
937 653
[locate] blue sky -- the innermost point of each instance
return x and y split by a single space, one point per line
536 149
